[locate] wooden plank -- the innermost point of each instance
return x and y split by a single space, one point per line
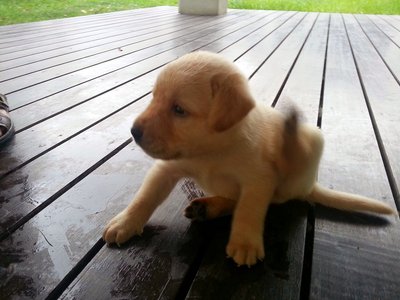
354 255
70 30
250 63
386 28
39 255
42 35
245 35
19 58
277 64
35 46
305 82
382 92
32 26
28 146
394 21
53 105
45 178
60 236
24 28
386 49
274 28
156 263
102 52
280 276
97 19
98 68
75 72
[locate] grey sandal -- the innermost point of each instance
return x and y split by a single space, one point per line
6 124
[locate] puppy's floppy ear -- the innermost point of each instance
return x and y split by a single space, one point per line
232 100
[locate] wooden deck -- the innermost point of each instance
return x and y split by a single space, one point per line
74 87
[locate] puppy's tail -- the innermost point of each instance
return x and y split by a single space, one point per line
346 201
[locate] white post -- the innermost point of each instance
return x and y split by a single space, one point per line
203 7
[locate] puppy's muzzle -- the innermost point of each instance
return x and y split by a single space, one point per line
137 133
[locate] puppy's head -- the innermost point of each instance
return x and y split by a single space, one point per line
197 100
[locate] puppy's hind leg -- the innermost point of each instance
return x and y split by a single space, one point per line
207 208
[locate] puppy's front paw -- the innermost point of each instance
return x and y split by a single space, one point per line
121 228
245 251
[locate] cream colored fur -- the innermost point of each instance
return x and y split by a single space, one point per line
204 124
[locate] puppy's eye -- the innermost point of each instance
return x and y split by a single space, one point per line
179 111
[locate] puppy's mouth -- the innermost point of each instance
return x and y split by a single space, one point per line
153 147
164 156
158 151
161 154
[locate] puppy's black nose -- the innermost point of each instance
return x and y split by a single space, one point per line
137 133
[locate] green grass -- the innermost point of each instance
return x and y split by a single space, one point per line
343 6
19 11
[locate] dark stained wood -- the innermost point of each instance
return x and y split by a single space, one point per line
76 116
118 71
305 82
36 36
24 28
70 74
86 288
243 38
247 43
70 122
379 84
255 55
269 72
140 84
54 173
123 95
62 234
135 41
28 145
277 277
160 259
13 67
129 76
72 164
346 263
16 52
280 275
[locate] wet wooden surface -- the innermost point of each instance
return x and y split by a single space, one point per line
75 85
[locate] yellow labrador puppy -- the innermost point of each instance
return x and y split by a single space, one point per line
204 124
